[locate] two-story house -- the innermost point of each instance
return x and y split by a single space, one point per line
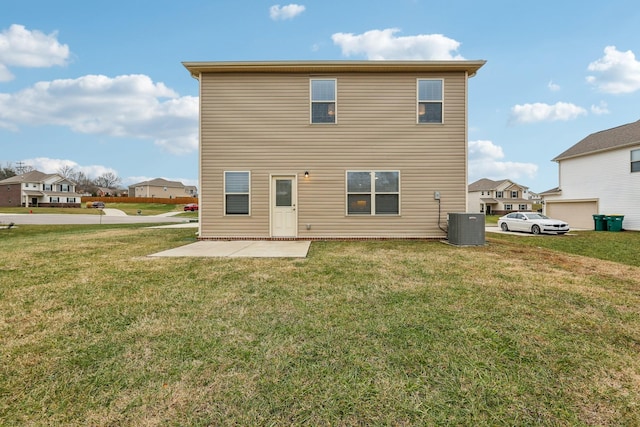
160 187
498 197
332 149
599 175
38 189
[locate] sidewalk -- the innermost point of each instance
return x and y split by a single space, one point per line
241 248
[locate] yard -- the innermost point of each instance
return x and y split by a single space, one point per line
529 331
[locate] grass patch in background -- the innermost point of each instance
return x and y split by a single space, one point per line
622 247
93 332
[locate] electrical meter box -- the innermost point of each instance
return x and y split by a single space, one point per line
466 229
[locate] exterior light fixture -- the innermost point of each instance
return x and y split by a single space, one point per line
306 174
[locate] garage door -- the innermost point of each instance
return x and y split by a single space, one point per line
578 214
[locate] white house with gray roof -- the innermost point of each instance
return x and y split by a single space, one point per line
599 175
38 189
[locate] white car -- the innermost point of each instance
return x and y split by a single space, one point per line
532 222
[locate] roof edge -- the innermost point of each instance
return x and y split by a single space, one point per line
588 153
196 68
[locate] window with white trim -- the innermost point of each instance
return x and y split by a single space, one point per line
373 192
54 200
507 207
522 207
237 190
499 195
635 160
514 194
323 100
430 100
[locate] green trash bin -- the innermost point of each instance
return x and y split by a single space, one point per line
599 223
614 222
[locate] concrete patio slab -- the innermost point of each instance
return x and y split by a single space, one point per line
241 248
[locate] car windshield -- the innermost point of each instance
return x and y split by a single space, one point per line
536 216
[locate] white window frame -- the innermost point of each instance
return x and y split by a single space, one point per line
635 161
522 207
422 112
224 191
372 193
334 101
508 207
499 195
514 194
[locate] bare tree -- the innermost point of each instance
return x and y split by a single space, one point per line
68 172
108 180
7 171
84 184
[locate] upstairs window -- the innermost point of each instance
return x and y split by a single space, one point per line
514 194
635 160
236 193
499 195
430 101
373 193
323 101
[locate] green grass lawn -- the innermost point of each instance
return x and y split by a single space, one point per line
529 331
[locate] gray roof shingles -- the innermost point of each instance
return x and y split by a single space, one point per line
604 140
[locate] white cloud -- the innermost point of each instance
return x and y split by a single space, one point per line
553 87
47 165
277 12
600 109
31 49
383 44
619 72
485 161
540 112
131 106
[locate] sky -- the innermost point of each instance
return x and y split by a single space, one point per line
100 86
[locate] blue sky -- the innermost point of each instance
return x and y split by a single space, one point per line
99 86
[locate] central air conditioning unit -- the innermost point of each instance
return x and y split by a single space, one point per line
466 229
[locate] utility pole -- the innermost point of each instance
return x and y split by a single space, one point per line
20 167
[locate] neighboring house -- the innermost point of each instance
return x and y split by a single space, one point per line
160 187
38 189
104 192
332 149
111 192
498 197
599 175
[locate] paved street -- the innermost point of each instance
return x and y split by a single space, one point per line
111 218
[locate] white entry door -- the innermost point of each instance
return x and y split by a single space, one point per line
284 217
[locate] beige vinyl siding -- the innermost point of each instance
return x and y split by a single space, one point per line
260 123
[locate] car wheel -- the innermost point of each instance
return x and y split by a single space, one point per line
535 229
504 226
